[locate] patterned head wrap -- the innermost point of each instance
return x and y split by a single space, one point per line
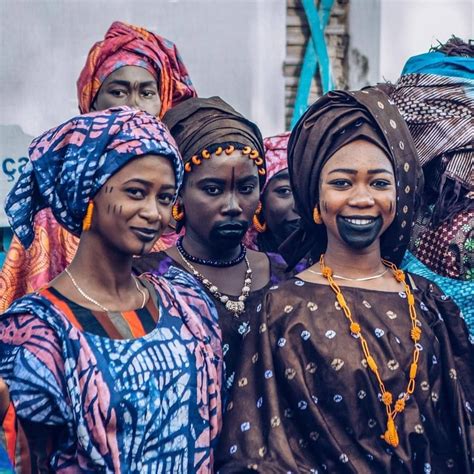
336 119
206 124
128 45
275 155
276 161
70 163
435 95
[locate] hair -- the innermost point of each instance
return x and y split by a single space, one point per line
455 47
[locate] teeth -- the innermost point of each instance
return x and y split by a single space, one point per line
359 221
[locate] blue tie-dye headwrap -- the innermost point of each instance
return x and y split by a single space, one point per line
70 163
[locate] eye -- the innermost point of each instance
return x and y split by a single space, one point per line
118 93
340 183
166 198
135 193
148 94
381 183
283 191
247 189
212 190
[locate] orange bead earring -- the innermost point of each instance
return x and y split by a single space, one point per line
259 227
177 212
317 216
87 221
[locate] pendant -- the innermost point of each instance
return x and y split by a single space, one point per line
236 307
391 436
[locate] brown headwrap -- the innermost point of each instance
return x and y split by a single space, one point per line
335 120
205 124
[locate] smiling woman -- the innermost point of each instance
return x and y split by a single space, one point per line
358 366
129 67
97 340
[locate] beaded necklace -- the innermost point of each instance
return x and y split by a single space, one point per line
209 262
390 436
235 307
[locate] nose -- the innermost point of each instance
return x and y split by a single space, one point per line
151 211
133 100
361 197
232 206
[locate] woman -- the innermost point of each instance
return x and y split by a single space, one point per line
224 172
108 372
133 67
435 95
278 218
355 370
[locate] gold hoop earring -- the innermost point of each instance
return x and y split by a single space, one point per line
317 216
259 226
87 221
177 212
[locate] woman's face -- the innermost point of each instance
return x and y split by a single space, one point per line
130 85
279 205
133 208
220 197
357 194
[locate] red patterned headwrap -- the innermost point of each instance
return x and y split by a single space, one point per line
129 45
275 155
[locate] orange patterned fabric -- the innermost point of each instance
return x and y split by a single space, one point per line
52 250
129 45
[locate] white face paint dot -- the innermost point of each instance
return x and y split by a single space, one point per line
393 124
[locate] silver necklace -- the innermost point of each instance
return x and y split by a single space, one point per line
92 300
236 307
374 277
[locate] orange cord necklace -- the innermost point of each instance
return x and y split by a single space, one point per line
390 436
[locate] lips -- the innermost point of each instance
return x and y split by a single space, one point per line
360 221
145 234
230 230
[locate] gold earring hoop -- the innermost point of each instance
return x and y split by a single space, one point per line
259 226
317 216
87 221
177 212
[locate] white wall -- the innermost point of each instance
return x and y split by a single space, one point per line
405 28
232 48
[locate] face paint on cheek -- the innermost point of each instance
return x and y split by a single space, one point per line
325 206
108 189
391 207
359 236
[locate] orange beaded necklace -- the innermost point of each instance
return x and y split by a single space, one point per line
390 435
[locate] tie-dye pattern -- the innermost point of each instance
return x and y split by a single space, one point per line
151 404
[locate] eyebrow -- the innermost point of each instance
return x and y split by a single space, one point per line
222 182
121 82
144 182
354 172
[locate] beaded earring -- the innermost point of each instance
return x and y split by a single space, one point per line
177 212
259 227
87 221
317 216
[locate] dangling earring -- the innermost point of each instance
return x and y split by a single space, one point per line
177 212
259 227
317 216
87 221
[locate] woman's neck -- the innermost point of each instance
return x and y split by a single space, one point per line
197 248
101 266
351 263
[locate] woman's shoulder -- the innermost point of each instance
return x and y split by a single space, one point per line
157 263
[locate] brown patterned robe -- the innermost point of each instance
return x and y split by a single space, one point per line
305 401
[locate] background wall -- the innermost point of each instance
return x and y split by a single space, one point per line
232 48
385 33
